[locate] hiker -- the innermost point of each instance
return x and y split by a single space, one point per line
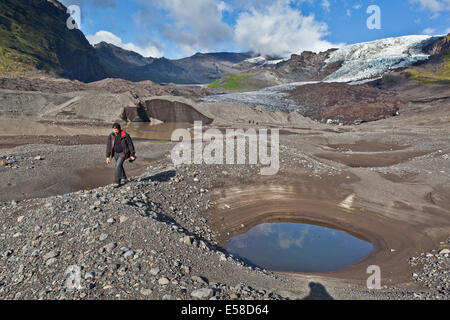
120 146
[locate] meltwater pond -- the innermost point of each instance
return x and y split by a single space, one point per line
296 247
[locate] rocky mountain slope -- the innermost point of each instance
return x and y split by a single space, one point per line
399 72
199 68
437 68
118 63
34 35
341 103
307 66
207 67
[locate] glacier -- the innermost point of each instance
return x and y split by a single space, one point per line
270 98
362 62
369 60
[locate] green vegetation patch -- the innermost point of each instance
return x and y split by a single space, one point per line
13 61
231 82
441 75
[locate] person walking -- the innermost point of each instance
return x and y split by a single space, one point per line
120 146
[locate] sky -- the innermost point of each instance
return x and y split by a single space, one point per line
180 28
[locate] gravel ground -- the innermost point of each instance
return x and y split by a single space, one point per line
152 238
433 270
147 240
36 171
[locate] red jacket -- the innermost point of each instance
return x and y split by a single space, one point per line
125 142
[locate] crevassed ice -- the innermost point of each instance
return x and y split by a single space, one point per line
372 59
362 62
271 98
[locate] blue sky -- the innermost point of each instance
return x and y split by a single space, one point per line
180 28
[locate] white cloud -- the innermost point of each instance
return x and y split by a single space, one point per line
197 24
447 31
326 5
429 31
434 5
223 6
280 30
287 241
149 51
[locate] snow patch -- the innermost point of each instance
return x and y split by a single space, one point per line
276 61
256 59
263 60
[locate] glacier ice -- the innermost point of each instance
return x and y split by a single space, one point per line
270 98
372 59
362 62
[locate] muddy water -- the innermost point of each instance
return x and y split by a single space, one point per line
326 201
98 177
367 146
22 130
360 160
13 126
156 132
296 247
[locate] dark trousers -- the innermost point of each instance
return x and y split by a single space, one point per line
119 172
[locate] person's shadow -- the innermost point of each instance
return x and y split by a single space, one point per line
318 292
161 177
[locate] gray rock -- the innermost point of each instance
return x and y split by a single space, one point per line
187 240
51 261
128 254
201 280
8 253
204 293
146 292
136 267
110 246
50 255
89 275
163 281
154 271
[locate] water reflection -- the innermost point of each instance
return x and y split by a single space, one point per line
296 247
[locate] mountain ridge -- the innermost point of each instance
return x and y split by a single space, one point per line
199 68
34 35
